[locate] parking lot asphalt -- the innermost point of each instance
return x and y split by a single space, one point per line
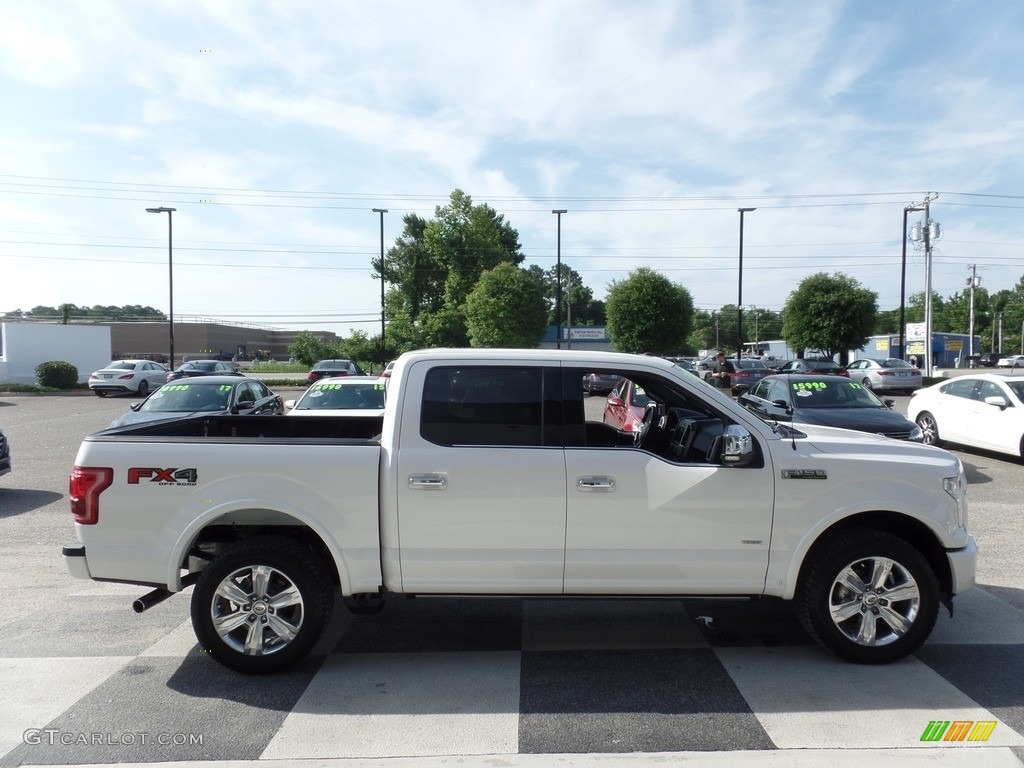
602 683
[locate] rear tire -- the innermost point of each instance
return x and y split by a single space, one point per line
866 382
262 604
143 388
868 597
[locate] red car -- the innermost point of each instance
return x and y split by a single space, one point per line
624 408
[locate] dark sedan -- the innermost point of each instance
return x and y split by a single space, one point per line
600 383
338 367
748 372
813 367
828 401
5 454
209 395
202 368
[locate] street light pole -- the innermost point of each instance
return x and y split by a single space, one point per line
381 211
558 282
170 278
739 298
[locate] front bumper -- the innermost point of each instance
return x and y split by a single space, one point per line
75 560
963 564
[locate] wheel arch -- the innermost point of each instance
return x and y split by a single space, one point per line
213 532
907 528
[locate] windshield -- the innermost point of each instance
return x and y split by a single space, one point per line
821 393
338 396
187 397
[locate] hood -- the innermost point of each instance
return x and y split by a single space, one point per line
871 420
835 441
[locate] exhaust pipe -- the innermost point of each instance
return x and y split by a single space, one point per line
160 594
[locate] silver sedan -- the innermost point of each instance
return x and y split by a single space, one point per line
886 374
136 377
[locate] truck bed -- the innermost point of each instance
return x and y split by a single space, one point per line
252 427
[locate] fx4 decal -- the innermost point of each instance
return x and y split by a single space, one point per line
162 476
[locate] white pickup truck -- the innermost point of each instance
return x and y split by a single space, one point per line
488 477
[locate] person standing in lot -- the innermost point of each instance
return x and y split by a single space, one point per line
723 371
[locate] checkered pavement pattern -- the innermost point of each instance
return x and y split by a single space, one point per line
481 681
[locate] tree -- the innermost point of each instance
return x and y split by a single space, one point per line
506 309
648 313
578 304
830 313
308 349
435 265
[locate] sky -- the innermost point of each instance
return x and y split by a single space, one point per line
274 129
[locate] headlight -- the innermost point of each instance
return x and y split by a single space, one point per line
956 487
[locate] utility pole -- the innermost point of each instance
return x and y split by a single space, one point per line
973 281
927 232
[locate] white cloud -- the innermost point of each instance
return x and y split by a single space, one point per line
28 52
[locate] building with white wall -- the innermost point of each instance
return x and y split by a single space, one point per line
23 346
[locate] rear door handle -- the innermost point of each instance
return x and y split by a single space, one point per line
590 483
428 481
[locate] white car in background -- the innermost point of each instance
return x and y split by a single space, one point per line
985 410
1012 361
355 396
136 377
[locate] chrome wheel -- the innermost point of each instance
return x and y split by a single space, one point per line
868 596
928 426
874 601
262 604
257 610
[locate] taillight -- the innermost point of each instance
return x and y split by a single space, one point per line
126 376
84 487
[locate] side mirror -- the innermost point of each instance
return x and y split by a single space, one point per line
135 406
786 410
289 404
998 400
889 402
615 400
735 447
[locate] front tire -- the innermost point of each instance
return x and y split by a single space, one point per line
261 605
869 597
929 427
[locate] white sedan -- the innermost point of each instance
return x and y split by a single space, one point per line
985 410
356 396
138 377
1012 361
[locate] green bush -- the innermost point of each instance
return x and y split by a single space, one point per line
57 374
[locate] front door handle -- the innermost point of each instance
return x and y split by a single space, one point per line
595 483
